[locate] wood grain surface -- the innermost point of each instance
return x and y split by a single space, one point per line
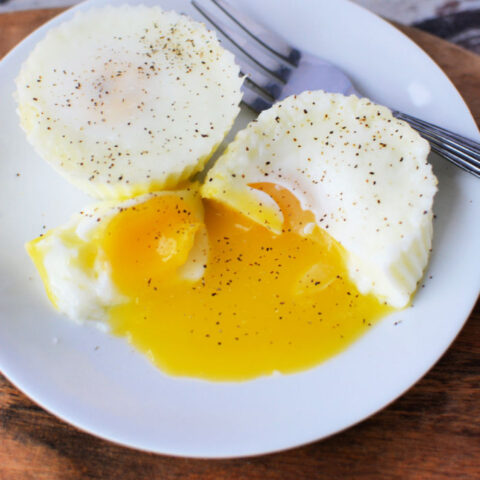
432 432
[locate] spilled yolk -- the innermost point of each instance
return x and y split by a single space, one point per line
147 243
267 302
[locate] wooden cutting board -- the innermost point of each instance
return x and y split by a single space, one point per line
432 432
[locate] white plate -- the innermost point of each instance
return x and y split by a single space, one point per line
115 393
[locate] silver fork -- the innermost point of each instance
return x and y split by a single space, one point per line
275 70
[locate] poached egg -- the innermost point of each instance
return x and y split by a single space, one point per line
141 106
362 173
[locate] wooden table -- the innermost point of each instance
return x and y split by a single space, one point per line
432 432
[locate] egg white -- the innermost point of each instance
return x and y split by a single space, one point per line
75 270
127 100
363 173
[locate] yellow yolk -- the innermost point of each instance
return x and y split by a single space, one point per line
146 244
267 302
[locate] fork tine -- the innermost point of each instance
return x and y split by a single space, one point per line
269 86
254 51
265 37
254 99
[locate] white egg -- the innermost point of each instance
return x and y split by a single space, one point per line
128 100
76 269
363 174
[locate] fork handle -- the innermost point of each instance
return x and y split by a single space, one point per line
461 151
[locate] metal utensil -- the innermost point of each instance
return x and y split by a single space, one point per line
275 70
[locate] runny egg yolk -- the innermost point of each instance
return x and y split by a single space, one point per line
267 302
147 244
